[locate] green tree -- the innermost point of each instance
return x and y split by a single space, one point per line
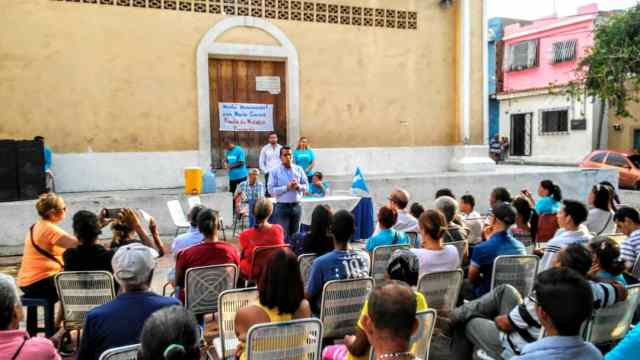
611 69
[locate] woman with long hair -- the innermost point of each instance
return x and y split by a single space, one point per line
607 263
127 224
549 198
281 297
600 219
304 157
262 234
318 240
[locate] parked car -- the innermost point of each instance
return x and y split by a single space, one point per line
628 166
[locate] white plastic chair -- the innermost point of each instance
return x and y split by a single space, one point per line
193 201
295 339
420 341
229 302
204 284
129 352
178 217
460 246
81 291
380 259
518 271
341 304
441 289
304 262
611 323
635 271
413 238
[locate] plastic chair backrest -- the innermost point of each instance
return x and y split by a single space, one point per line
636 267
518 271
129 352
612 323
193 201
413 238
341 304
380 258
295 339
204 284
260 258
81 291
304 262
177 214
421 340
460 246
229 302
441 289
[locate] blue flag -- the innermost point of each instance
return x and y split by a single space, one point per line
358 185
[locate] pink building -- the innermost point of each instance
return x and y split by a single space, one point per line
547 51
543 123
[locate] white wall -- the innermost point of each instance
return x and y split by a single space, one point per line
569 147
153 170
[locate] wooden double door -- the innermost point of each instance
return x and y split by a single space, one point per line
234 81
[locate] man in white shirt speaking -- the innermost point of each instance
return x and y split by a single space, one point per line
270 157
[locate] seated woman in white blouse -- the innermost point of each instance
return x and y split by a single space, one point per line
600 219
434 256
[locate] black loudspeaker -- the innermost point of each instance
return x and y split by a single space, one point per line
30 158
8 171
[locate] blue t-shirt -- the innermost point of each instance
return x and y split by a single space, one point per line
119 322
304 158
234 156
485 253
547 205
47 157
336 265
386 237
628 348
317 191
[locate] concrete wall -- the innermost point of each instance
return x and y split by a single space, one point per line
570 147
623 139
575 183
98 78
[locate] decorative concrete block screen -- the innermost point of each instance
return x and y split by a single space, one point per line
294 10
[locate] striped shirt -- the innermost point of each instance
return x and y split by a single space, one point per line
562 239
526 325
630 248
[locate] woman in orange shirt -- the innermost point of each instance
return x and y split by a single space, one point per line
44 245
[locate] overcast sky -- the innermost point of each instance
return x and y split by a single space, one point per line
534 9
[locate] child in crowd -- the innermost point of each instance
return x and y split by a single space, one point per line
318 188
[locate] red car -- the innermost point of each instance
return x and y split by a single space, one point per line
628 166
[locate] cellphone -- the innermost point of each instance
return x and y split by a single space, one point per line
112 213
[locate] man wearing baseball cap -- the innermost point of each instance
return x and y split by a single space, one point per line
120 321
500 243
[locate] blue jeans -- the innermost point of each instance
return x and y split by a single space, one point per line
288 216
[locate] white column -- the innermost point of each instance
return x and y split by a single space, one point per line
464 77
485 73
465 157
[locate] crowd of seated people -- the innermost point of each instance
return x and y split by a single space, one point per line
579 265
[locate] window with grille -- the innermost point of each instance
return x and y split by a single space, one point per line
564 51
522 55
555 121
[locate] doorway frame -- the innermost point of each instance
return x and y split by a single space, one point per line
511 133
209 48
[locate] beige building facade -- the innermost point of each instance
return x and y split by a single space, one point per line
125 94
624 133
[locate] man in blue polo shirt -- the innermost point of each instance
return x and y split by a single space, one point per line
499 243
235 161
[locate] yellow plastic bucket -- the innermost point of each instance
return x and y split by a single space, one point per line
192 180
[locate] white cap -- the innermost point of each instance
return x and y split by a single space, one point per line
132 264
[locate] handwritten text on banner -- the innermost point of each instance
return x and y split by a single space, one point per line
245 117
